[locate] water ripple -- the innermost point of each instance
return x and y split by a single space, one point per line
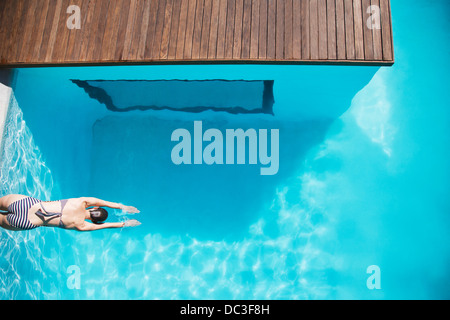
23 254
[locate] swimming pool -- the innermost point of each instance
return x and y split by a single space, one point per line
362 178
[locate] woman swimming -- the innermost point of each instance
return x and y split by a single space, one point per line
19 212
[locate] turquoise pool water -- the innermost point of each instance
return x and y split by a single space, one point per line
363 180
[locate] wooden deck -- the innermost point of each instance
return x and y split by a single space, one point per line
35 32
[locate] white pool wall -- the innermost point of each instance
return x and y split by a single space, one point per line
5 96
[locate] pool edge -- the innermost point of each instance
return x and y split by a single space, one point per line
5 98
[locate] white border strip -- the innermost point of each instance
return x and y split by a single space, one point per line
5 96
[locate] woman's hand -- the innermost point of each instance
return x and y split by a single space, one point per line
129 209
131 223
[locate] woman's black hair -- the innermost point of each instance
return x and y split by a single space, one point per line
98 215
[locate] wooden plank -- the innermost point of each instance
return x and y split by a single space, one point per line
314 29
254 41
246 29
3 26
288 30
279 33
386 30
53 33
173 41
111 27
91 22
156 49
2 15
305 25
94 26
340 30
212 41
296 30
376 33
118 54
237 41
101 30
182 29
349 30
28 32
231 8
74 53
359 36
368 38
73 34
18 20
12 27
262 41
62 36
331 29
9 8
197 38
129 30
151 29
136 31
189 30
221 30
165 37
271 26
147 14
323 30
206 29
391 33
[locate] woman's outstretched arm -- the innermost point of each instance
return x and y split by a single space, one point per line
95 202
87 226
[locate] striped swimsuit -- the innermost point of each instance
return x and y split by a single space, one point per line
18 213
